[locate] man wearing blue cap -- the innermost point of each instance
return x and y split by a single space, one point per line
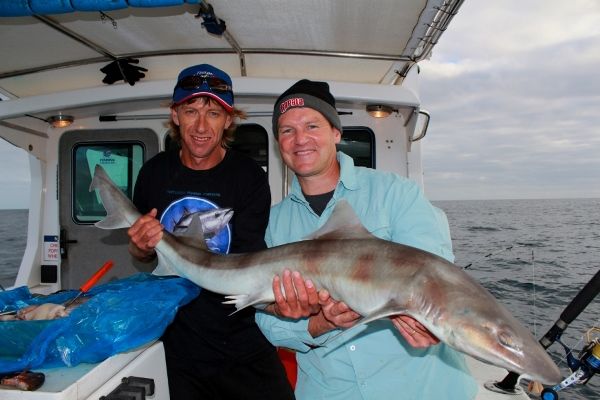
210 354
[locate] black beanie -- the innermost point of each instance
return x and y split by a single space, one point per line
311 94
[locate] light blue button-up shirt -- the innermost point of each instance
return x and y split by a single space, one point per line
374 362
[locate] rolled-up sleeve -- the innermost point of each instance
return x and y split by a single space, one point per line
292 334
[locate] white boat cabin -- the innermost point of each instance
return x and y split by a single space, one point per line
57 108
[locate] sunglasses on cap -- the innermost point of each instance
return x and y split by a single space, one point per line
196 82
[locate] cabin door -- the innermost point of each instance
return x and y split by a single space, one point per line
85 248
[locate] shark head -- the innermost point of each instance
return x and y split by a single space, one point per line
488 332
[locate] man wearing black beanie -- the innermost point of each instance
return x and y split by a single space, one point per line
305 93
395 358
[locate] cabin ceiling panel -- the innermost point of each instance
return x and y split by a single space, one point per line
53 81
167 39
335 25
167 67
27 43
65 79
139 30
321 68
316 25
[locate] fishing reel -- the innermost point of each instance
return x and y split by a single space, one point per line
583 366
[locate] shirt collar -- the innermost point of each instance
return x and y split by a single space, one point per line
347 178
347 171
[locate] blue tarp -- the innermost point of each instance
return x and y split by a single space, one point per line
119 316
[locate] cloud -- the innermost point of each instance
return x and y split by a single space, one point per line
514 102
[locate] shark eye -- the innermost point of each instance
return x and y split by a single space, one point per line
506 340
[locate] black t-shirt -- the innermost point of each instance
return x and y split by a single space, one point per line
318 202
204 334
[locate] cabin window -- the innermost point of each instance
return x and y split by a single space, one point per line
253 140
249 139
122 162
359 143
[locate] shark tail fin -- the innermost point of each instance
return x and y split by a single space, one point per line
112 222
120 212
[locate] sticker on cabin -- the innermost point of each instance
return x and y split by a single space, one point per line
51 248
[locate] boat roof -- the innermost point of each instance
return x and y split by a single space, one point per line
48 50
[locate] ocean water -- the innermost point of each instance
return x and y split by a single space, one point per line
533 255
13 238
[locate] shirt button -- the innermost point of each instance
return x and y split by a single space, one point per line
352 347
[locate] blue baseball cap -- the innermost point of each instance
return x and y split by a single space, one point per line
204 80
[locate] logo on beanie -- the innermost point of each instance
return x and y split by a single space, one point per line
295 102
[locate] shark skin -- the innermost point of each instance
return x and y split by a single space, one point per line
376 278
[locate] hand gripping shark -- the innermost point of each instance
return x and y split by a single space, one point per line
376 278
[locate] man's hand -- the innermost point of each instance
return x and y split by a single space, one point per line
334 314
415 334
144 235
298 298
294 297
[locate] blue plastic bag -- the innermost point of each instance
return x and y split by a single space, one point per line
119 316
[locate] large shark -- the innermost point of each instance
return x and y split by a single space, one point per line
376 278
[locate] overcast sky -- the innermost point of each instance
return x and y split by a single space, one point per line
14 177
513 88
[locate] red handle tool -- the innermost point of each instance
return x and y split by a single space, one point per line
92 281
96 277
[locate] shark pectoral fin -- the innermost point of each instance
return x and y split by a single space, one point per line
242 301
385 311
164 268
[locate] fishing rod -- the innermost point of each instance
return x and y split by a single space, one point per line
585 366
487 256
502 250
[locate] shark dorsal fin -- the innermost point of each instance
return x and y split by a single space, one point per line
342 224
193 235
